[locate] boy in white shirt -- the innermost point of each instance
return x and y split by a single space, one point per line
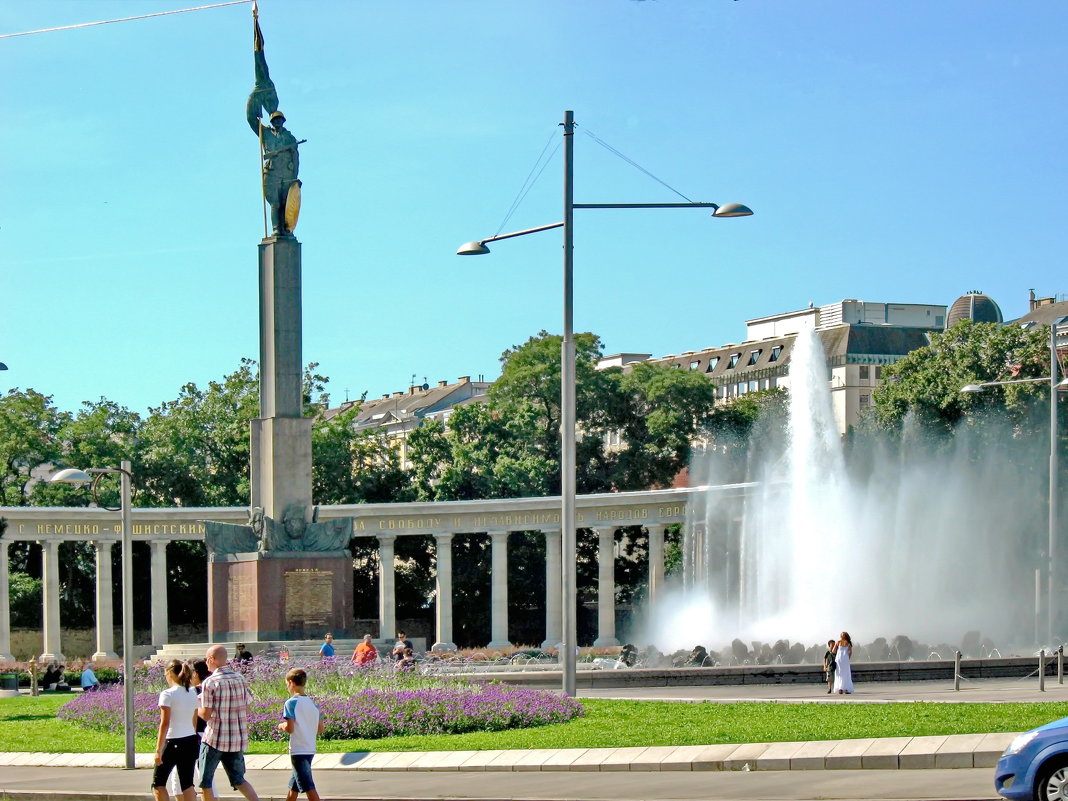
303 723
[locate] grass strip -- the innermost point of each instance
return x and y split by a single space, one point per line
30 724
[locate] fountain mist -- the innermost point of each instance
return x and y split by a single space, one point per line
906 536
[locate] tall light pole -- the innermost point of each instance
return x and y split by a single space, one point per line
569 591
92 476
1055 383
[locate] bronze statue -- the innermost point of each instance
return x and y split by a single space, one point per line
278 147
328 535
223 539
266 536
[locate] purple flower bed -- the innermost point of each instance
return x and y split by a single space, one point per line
371 712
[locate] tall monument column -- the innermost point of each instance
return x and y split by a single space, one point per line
285 575
281 435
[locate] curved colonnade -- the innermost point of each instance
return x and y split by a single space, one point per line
602 513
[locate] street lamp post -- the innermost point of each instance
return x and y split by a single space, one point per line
569 590
92 476
1054 514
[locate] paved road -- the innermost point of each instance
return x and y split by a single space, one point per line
978 691
93 784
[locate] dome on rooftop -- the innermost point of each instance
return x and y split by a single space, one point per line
974 306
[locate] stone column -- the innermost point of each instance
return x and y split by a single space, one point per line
105 616
606 588
387 598
443 557
656 562
158 584
499 591
50 584
553 588
5 607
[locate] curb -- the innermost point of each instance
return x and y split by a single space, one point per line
894 753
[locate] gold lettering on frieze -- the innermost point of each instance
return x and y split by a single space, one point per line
670 511
359 525
77 529
410 523
622 514
512 520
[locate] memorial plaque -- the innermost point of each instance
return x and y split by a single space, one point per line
309 598
241 600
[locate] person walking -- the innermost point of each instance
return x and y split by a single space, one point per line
176 742
199 670
829 666
303 723
843 673
224 700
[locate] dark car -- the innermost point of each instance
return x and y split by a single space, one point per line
1035 765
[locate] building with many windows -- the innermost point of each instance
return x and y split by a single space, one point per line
398 414
859 339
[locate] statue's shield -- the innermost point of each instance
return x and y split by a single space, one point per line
292 211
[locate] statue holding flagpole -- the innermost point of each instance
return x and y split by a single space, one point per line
278 147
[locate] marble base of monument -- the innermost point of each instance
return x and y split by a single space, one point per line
279 596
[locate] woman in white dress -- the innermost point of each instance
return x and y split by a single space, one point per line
843 675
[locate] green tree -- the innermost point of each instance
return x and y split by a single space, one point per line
927 382
30 427
658 411
195 449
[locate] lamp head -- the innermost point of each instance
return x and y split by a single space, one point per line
472 249
3 366
71 475
973 388
733 210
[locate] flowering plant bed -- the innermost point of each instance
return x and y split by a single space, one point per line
356 703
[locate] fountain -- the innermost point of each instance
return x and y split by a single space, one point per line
908 535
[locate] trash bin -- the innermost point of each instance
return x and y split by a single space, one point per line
9 681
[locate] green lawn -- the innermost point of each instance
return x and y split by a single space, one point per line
29 724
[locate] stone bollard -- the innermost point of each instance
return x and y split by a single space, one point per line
956 671
1042 670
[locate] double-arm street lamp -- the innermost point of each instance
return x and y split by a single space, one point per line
92 476
567 380
1055 384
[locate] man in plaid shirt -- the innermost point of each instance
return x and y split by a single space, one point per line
224 698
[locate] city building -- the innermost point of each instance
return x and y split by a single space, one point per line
398 414
859 339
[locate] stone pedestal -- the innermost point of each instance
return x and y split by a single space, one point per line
280 596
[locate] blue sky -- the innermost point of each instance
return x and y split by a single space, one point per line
901 151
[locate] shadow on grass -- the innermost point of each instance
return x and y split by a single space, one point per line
44 716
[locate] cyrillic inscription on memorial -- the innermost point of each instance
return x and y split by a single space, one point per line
240 592
309 597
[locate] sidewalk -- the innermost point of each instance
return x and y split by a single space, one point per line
897 753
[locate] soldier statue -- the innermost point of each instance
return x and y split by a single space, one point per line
278 147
